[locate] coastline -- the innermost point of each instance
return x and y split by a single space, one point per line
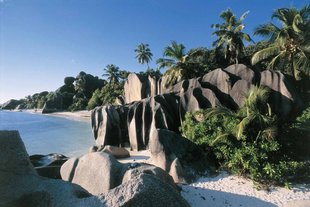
83 115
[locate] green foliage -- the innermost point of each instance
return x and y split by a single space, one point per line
143 54
87 84
174 57
295 136
69 80
151 72
79 103
230 36
106 95
289 43
114 74
244 141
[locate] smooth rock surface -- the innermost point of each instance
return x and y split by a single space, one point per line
21 186
117 152
184 160
95 172
144 191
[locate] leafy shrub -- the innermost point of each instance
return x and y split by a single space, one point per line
244 142
107 95
69 80
78 104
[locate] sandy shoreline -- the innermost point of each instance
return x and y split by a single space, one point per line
223 190
83 115
226 190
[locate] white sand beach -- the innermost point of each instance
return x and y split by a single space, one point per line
233 191
76 115
222 190
83 115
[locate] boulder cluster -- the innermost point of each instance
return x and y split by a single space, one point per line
96 179
152 115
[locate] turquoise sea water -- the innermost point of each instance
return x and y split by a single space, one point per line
44 134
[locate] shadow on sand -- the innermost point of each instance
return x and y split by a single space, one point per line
200 197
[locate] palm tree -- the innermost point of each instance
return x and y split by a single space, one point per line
253 120
112 73
230 35
290 42
174 57
143 54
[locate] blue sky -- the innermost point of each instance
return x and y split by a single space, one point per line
42 41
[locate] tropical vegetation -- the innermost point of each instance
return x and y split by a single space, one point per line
143 54
246 141
251 141
289 42
230 36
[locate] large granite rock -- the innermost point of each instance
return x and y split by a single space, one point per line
10 104
240 71
20 107
117 152
220 87
184 160
21 186
144 191
283 98
219 80
48 165
134 88
109 125
138 87
97 172
239 91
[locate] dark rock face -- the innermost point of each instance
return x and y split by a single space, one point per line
242 72
138 87
48 165
109 125
117 152
97 172
20 107
239 90
21 186
227 87
144 191
10 104
59 102
114 125
283 98
177 155
123 184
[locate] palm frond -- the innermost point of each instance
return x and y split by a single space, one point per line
276 59
272 50
247 37
219 139
243 16
297 23
239 28
165 62
305 12
269 133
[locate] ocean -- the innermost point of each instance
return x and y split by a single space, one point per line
44 134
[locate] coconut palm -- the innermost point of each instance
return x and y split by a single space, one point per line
230 36
143 54
289 42
253 120
112 73
174 57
